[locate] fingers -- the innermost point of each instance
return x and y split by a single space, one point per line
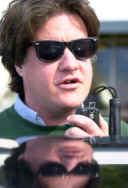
86 127
104 125
76 132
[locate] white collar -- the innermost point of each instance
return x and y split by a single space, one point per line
27 113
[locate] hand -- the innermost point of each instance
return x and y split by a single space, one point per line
86 127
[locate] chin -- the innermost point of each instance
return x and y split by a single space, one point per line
72 104
71 101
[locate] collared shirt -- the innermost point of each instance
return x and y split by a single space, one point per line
27 113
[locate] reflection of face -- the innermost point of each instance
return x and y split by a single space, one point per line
44 82
66 182
65 152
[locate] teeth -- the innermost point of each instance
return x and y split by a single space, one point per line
68 82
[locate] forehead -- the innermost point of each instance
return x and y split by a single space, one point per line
62 26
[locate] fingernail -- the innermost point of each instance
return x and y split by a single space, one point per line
68 118
66 133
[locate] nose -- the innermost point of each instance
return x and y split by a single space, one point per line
68 62
70 163
71 157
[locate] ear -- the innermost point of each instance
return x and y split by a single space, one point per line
19 70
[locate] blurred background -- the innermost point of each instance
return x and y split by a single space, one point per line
111 66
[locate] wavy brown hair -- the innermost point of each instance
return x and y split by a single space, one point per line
23 18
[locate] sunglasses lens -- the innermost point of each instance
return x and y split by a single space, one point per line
86 169
52 169
49 51
84 48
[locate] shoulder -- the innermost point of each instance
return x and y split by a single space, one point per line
10 123
6 112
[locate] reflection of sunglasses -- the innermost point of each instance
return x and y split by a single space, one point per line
56 169
50 50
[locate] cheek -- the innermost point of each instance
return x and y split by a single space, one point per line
91 72
39 74
88 71
46 77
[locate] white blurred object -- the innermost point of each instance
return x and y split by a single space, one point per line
5 146
110 10
111 156
8 143
7 98
4 79
105 97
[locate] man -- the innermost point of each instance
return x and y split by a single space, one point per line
46 46
65 163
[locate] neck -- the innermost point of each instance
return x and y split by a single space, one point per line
51 115
56 118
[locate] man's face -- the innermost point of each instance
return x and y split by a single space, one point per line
49 156
61 150
51 86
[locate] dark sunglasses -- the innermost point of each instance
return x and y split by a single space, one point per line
53 169
50 50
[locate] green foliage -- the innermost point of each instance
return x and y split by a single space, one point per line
1 177
114 176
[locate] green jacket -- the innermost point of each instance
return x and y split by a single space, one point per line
14 126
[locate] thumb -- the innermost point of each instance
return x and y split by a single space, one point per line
76 132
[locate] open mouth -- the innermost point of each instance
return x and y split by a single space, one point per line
73 81
69 83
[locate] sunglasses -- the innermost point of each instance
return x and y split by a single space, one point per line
53 169
49 50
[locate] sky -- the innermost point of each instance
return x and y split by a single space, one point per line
110 9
